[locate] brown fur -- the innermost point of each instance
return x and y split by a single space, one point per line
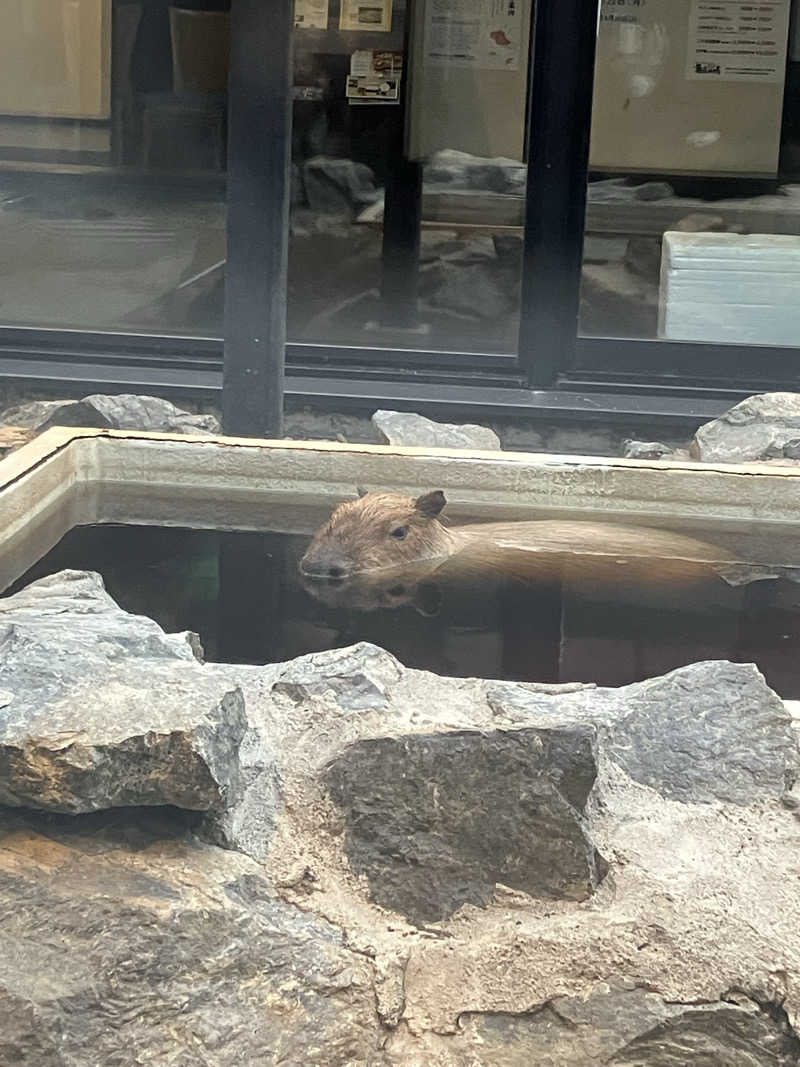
358 536
358 539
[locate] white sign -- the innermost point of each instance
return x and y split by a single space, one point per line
311 14
374 15
483 34
738 40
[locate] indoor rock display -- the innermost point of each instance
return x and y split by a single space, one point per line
339 861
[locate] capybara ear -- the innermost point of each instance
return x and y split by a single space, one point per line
361 490
430 504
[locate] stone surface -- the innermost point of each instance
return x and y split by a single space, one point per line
102 709
408 429
424 892
622 1027
125 941
646 450
435 821
338 187
118 412
463 171
706 732
755 429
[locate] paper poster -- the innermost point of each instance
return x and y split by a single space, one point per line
483 34
373 15
621 12
311 14
738 40
374 77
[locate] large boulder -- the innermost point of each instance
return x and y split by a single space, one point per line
123 411
681 735
416 869
126 941
761 427
405 428
100 709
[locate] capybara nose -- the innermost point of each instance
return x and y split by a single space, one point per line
322 567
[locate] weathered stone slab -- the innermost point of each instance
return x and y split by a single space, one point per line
620 1027
705 732
408 429
124 941
435 821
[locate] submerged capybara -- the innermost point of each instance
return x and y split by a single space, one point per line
390 530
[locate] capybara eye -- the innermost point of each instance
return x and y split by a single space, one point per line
399 533
397 591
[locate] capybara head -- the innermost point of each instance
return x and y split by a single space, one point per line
375 531
410 585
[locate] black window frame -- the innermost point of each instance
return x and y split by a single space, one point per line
552 355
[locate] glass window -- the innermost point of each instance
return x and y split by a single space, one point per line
112 162
693 216
407 217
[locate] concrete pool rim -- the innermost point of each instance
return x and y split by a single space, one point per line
68 477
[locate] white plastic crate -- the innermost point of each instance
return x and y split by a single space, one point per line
726 287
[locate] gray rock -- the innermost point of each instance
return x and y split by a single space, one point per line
754 429
356 679
706 732
133 943
463 171
102 709
118 412
628 1028
646 450
434 821
338 187
408 429
366 786
475 290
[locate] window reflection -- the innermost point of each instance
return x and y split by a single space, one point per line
693 215
112 160
408 205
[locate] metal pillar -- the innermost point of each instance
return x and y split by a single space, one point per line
259 148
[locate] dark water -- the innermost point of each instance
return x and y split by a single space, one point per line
243 595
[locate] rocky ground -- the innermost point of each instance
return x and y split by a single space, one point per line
338 860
